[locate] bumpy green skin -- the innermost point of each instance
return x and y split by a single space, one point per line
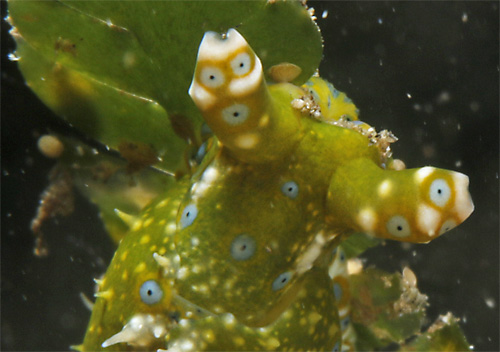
241 253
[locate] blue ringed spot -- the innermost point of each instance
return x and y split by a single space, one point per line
235 114
282 280
150 292
243 247
290 189
337 291
188 216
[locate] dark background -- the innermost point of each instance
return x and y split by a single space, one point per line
428 71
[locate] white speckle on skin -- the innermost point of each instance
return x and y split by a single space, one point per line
203 98
428 219
229 319
306 260
214 48
367 219
247 141
384 188
463 202
423 173
195 241
264 121
182 273
170 228
208 178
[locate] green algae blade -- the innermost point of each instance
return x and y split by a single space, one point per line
120 70
107 181
357 243
444 335
385 309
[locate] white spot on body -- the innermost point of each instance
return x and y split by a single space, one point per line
428 219
140 331
423 173
203 98
208 178
463 202
214 47
182 273
170 228
247 141
307 259
367 219
384 188
354 266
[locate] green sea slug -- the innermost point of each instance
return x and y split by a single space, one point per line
245 254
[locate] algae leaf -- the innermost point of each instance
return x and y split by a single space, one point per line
119 70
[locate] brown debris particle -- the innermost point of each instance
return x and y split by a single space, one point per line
138 155
442 321
382 140
65 45
307 105
56 199
411 300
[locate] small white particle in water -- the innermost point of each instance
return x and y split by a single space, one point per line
408 95
458 163
324 14
380 62
417 107
465 17
474 106
108 22
380 21
490 302
459 126
443 97
13 57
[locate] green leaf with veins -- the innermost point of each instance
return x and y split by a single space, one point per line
120 70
